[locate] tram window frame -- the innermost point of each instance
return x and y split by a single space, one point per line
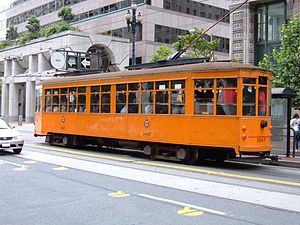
81 99
162 89
48 100
121 98
63 100
134 97
204 101
226 95
95 93
38 100
105 94
147 97
263 96
177 96
55 99
249 96
72 97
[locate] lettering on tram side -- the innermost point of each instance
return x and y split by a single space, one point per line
146 133
261 139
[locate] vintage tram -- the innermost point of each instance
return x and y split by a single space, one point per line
214 110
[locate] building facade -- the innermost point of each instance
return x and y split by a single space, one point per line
163 20
25 67
256 27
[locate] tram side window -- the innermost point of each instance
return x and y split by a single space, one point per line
227 96
82 99
162 97
204 96
249 93
38 100
178 97
48 100
63 99
105 98
147 97
72 100
133 97
262 101
55 100
121 99
95 98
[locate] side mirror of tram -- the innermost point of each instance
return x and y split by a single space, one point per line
263 124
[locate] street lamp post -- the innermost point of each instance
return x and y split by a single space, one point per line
133 21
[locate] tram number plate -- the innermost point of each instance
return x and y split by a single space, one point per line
261 139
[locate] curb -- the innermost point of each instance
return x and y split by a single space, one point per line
269 162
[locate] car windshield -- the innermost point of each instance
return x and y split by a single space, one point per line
4 125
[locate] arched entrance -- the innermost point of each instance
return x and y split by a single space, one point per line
101 57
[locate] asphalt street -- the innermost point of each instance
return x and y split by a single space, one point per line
54 185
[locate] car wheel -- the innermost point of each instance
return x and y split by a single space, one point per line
17 151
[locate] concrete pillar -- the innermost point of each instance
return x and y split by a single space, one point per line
13 102
30 103
7 68
4 101
16 68
43 63
33 64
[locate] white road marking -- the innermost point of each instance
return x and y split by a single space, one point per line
11 163
210 188
183 204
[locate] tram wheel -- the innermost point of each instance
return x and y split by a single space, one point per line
191 156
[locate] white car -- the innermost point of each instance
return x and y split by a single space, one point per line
10 139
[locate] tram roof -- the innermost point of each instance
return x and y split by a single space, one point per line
198 67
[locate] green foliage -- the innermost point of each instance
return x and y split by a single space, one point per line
65 13
5 43
12 33
26 38
33 25
201 47
161 53
285 62
56 28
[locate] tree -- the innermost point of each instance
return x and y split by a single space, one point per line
285 62
12 33
161 53
202 47
65 13
33 26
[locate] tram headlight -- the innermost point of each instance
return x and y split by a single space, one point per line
263 124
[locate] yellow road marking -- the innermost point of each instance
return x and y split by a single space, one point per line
20 169
118 194
81 153
184 168
211 172
187 211
60 168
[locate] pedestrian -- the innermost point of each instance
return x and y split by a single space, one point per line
295 124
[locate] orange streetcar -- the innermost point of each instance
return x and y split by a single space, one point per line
213 110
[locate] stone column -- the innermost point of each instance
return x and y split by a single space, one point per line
4 101
13 102
16 68
33 64
7 68
43 63
30 103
